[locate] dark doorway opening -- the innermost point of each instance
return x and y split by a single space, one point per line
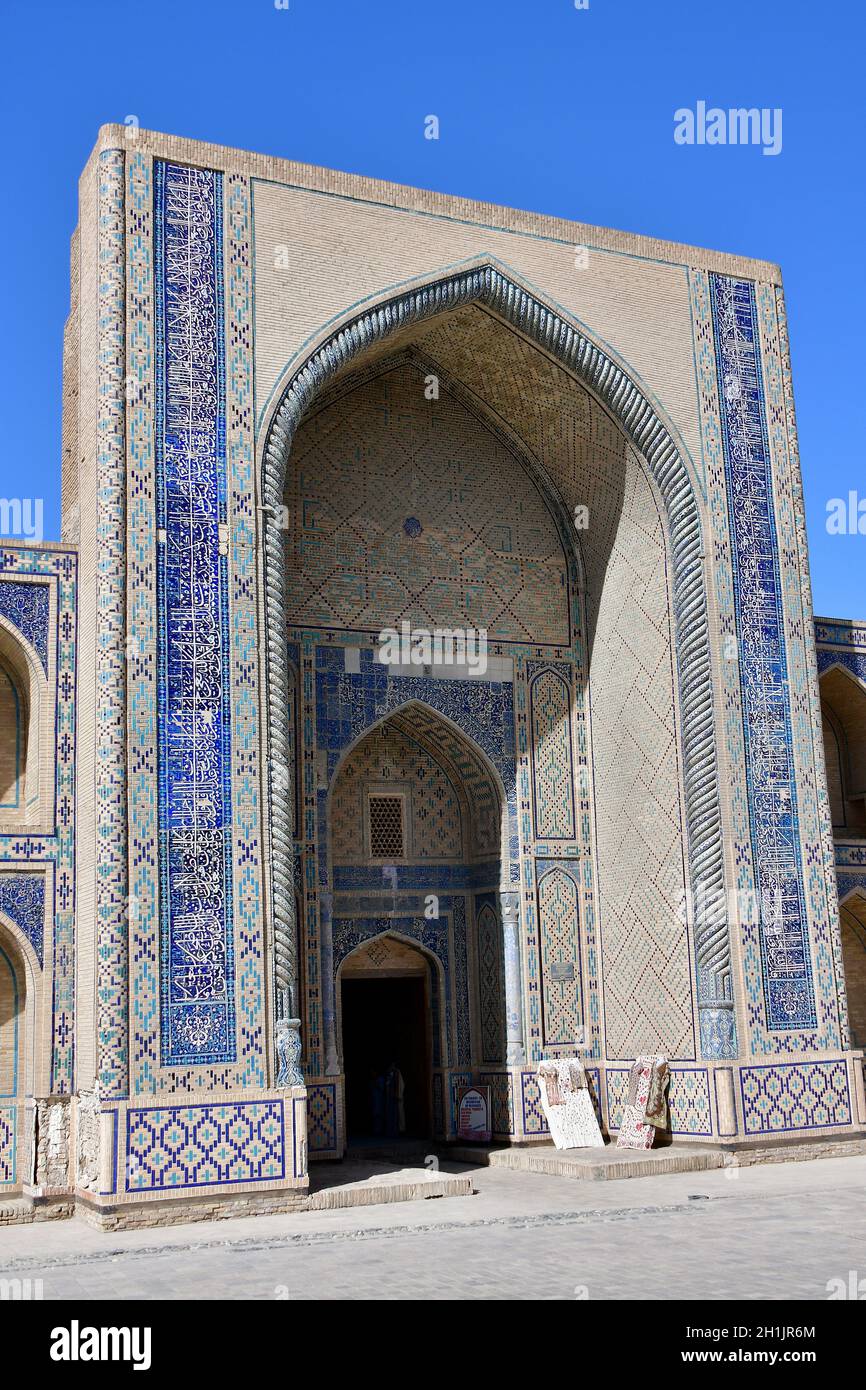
385 1023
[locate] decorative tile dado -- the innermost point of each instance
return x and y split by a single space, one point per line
689 1100
456 1079
197 949
204 1146
322 1116
772 792
616 1081
534 1121
501 1100
27 607
688 1097
8 1145
795 1096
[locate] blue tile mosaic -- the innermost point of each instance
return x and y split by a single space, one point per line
22 898
758 600
27 607
349 702
197 965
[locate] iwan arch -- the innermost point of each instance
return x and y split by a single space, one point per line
302 408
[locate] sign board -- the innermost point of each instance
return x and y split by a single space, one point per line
473 1114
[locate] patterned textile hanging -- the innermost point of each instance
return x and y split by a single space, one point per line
646 1109
567 1104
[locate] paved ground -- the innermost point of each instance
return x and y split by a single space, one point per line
770 1232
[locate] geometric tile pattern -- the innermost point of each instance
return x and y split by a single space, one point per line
491 984
54 851
795 1096
788 992
646 969
551 757
22 897
27 608
252 967
534 1120
321 1116
559 930
348 703
689 1101
386 755
194 688
110 815
204 1145
8 1128
617 1095
501 1100
634 732
387 454
466 771
141 620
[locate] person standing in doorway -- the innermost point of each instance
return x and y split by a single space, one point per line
395 1110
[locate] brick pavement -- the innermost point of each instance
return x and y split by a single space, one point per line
781 1231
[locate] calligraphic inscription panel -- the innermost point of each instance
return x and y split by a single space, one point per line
196 929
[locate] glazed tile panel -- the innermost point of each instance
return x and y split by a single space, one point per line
322 1117
48 858
7 1145
22 897
789 1000
205 1145
811 1095
197 966
27 607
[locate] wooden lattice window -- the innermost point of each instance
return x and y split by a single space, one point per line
386 827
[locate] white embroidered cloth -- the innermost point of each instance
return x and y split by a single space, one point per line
567 1104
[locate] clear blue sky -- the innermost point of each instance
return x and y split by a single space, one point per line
541 107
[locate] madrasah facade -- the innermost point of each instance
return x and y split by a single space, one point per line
606 795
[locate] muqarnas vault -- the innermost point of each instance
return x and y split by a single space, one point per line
244 863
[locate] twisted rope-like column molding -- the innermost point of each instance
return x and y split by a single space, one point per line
636 416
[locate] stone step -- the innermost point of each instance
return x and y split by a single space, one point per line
594 1165
356 1184
612 1163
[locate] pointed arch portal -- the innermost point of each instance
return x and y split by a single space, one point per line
609 383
